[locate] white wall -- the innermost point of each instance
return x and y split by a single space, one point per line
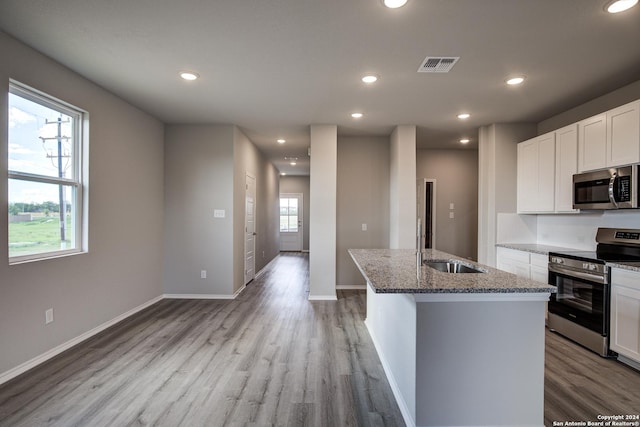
456 175
322 222
403 210
363 198
299 184
123 268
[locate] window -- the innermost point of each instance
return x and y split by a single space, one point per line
45 147
288 215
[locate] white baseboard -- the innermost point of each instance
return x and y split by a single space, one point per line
202 296
351 287
30 364
404 409
635 365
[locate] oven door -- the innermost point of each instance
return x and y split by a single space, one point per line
581 297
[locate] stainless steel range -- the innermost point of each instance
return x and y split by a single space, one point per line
580 309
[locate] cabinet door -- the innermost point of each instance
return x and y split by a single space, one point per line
527 173
546 172
566 167
592 143
623 135
625 321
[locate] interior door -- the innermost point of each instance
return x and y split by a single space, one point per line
291 225
250 230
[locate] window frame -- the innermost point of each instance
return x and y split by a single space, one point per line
79 172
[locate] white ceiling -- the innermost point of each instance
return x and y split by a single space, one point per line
273 67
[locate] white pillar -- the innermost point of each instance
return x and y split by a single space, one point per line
322 214
402 198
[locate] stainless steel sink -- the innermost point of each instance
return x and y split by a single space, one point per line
451 267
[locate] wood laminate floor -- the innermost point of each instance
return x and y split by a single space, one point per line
270 357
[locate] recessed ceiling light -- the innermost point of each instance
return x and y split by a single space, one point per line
281 141
616 6
370 78
464 116
394 4
188 75
464 141
283 173
293 163
356 115
514 81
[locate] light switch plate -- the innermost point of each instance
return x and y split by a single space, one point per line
451 215
451 206
218 213
364 227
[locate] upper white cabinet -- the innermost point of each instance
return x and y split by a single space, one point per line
536 174
623 135
566 167
610 139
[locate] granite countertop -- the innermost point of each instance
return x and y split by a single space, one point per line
535 248
633 266
394 271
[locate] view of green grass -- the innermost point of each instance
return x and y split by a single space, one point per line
37 236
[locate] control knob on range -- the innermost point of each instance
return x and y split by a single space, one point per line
589 266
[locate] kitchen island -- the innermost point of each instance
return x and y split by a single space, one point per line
457 348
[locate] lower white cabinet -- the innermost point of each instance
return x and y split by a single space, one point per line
523 264
625 313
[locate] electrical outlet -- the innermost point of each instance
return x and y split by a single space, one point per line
203 274
451 215
364 227
48 316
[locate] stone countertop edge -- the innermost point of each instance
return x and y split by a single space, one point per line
632 266
394 271
535 248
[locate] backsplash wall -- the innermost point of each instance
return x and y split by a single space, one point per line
579 230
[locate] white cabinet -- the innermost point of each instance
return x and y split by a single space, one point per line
610 139
523 264
539 268
625 313
566 167
623 135
592 143
536 174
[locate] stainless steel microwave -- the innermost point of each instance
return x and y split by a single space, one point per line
613 188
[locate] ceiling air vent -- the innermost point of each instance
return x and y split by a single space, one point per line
433 64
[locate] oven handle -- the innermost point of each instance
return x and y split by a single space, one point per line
612 196
579 274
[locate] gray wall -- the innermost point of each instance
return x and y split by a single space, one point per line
614 99
123 268
249 160
299 184
198 180
363 198
205 170
456 175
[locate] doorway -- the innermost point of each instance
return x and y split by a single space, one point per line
427 211
249 229
291 225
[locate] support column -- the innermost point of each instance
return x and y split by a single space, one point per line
322 214
402 198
